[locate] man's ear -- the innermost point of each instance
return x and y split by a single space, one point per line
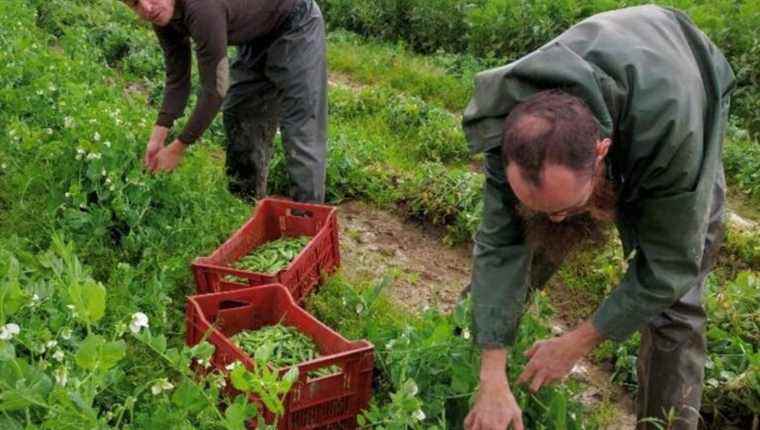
602 148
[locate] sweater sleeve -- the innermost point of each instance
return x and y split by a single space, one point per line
177 57
208 29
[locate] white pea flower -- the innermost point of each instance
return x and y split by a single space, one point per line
139 320
359 308
40 92
61 376
58 355
103 172
418 415
9 331
80 151
96 137
412 388
161 385
49 131
51 344
52 88
4 166
466 333
66 334
35 298
67 195
68 122
107 143
81 206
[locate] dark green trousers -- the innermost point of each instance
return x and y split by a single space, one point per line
280 82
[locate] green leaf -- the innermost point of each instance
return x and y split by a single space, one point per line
290 378
89 300
202 351
238 413
8 423
239 376
96 354
11 294
189 397
7 351
22 385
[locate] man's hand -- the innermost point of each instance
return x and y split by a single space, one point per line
552 360
168 157
495 407
155 145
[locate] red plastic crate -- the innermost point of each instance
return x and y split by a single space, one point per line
328 402
272 219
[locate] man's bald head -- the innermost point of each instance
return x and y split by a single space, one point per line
552 127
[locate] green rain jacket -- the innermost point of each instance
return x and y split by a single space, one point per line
660 89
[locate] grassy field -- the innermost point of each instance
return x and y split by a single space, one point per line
88 240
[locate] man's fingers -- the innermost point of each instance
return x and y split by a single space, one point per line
147 160
518 423
529 353
474 423
154 164
527 373
468 421
538 381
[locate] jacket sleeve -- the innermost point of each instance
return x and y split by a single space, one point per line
670 218
177 59
501 261
666 264
677 189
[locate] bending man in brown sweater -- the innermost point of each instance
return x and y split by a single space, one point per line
278 78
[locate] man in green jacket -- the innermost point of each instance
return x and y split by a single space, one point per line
278 78
619 118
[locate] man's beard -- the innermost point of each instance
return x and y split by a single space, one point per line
556 240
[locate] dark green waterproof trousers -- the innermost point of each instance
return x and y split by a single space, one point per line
279 81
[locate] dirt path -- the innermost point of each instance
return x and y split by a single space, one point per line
427 273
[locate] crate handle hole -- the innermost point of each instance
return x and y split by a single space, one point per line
334 370
301 213
232 304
